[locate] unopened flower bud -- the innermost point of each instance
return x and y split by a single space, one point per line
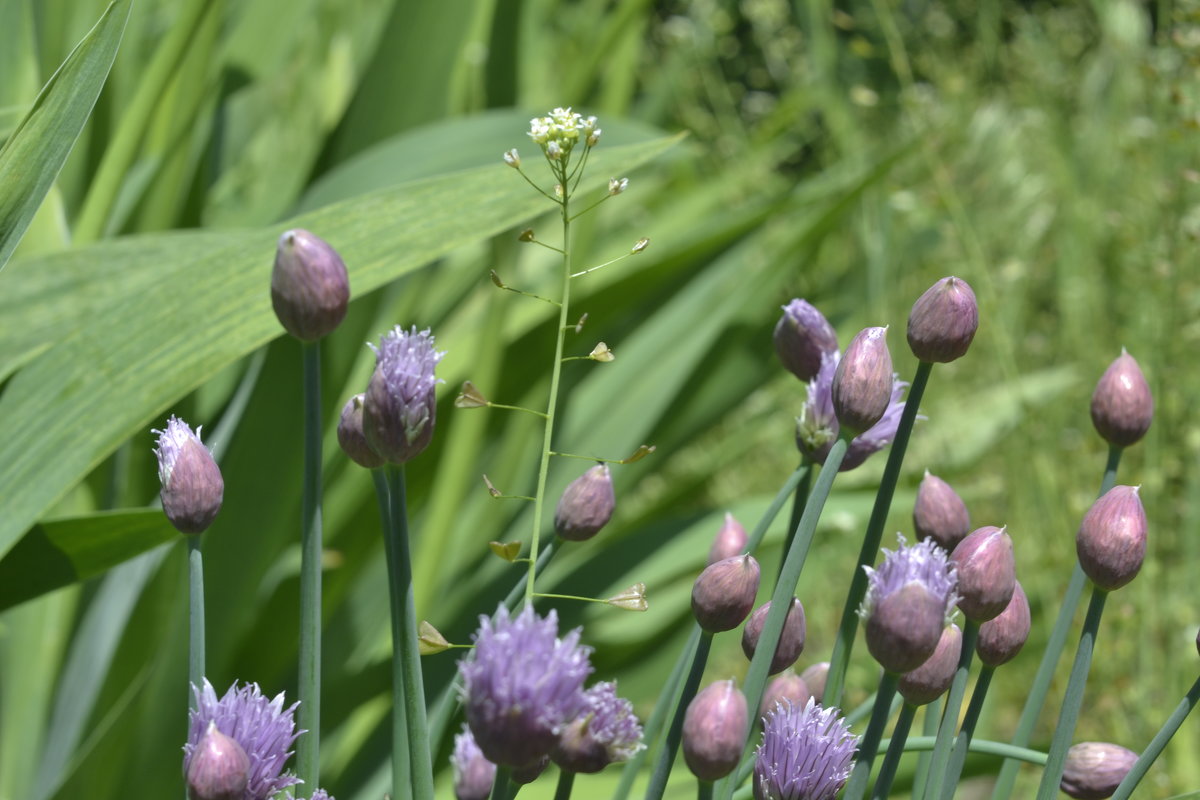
930 681
814 676
586 505
724 593
942 322
729 542
1002 637
1122 406
554 151
791 639
1111 542
192 487
617 185
513 158
714 731
351 438
1094 770
473 774
802 336
986 573
399 406
939 513
219 768
862 384
604 733
528 774
309 285
594 137
788 686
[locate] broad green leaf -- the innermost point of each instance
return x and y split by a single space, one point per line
33 155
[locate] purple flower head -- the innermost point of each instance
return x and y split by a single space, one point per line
802 337
521 685
604 733
399 406
192 487
806 753
817 426
473 774
319 794
263 728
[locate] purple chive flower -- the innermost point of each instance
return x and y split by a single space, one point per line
192 487
802 337
806 753
908 602
263 728
521 685
473 774
606 732
817 426
399 406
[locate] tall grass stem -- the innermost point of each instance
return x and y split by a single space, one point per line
308 747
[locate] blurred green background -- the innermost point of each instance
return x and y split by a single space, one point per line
850 153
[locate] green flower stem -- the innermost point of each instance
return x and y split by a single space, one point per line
945 734
666 756
1069 715
844 643
566 780
785 587
857 786
308 747
933 713
802 475
1053 652
1152 751
921 744
704 790
406 658
798 501
195 617
887 771
500 784
963 742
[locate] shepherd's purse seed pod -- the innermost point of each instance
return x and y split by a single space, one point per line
309 285
1122 406
1111 542
942 322
724 593
862 384
586 505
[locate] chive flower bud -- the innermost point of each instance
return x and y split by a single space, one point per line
604 733
1002 637
714 730
473 774
521 685
1111 542
219 769
786 686
908 602
862 385
1094 770
802 337
309 285
814 675
806 754
791 638
939 513
724 593
586 505
930 681
192 487
351 438
399 406
986 573
1122 406
943 321
528 774
730 541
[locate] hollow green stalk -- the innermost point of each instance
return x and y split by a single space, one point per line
308 747
195 617
963 742
939 763
933 713
798 501
887 770
1152 751
856 787
1069 715
500 784
704 790
921 744
666 756
406 658
1050 656
566 781
844 643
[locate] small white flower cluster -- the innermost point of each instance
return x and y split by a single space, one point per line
559 132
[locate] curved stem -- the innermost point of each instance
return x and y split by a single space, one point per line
308 747
1152 751
195 617
848 627
921 744
887 771
945 735
857 786
963 742
666 756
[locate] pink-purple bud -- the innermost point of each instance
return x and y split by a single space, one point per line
1122 406
943 321
930 681
219 768
1111 542
814 675
473 774
351 438
192 486
788 686
714 730
724 593
729 542
309 285
791 638
862 384
802 336
939 513
1002 637
986 573
528 774
400 406
586 505
1094 770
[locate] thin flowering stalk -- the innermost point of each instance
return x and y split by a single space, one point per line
895 749
195 615
963 743
1054 646
309 749
1155 748
857 785
566 781
666 756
